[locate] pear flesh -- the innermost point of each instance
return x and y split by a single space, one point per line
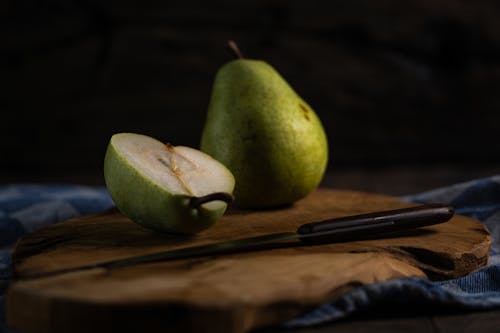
154 184
270 139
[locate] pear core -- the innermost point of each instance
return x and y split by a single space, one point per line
181 170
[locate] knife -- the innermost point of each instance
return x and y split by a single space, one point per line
356 227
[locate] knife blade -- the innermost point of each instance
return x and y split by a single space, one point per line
333 230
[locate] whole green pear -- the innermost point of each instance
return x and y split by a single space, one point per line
267 135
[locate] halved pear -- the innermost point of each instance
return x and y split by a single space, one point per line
166 188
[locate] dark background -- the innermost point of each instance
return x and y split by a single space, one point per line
408 91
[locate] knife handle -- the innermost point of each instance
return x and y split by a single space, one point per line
359 226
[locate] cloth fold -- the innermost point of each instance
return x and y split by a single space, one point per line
25 208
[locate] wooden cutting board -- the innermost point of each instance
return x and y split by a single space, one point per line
230 293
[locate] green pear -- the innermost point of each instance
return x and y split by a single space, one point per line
166 188
267 135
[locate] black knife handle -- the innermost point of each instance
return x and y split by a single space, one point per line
351 227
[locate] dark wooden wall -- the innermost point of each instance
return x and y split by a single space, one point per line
395 82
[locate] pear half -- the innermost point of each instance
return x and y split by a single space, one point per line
166 188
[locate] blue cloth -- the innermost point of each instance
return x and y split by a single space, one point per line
25 208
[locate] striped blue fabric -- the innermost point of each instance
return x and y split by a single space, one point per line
25 208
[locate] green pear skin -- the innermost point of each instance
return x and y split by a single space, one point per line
265 134
150 204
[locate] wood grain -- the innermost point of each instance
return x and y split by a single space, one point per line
231 293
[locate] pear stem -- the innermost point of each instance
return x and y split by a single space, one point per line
231 44
196 202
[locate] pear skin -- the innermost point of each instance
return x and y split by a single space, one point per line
267 135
